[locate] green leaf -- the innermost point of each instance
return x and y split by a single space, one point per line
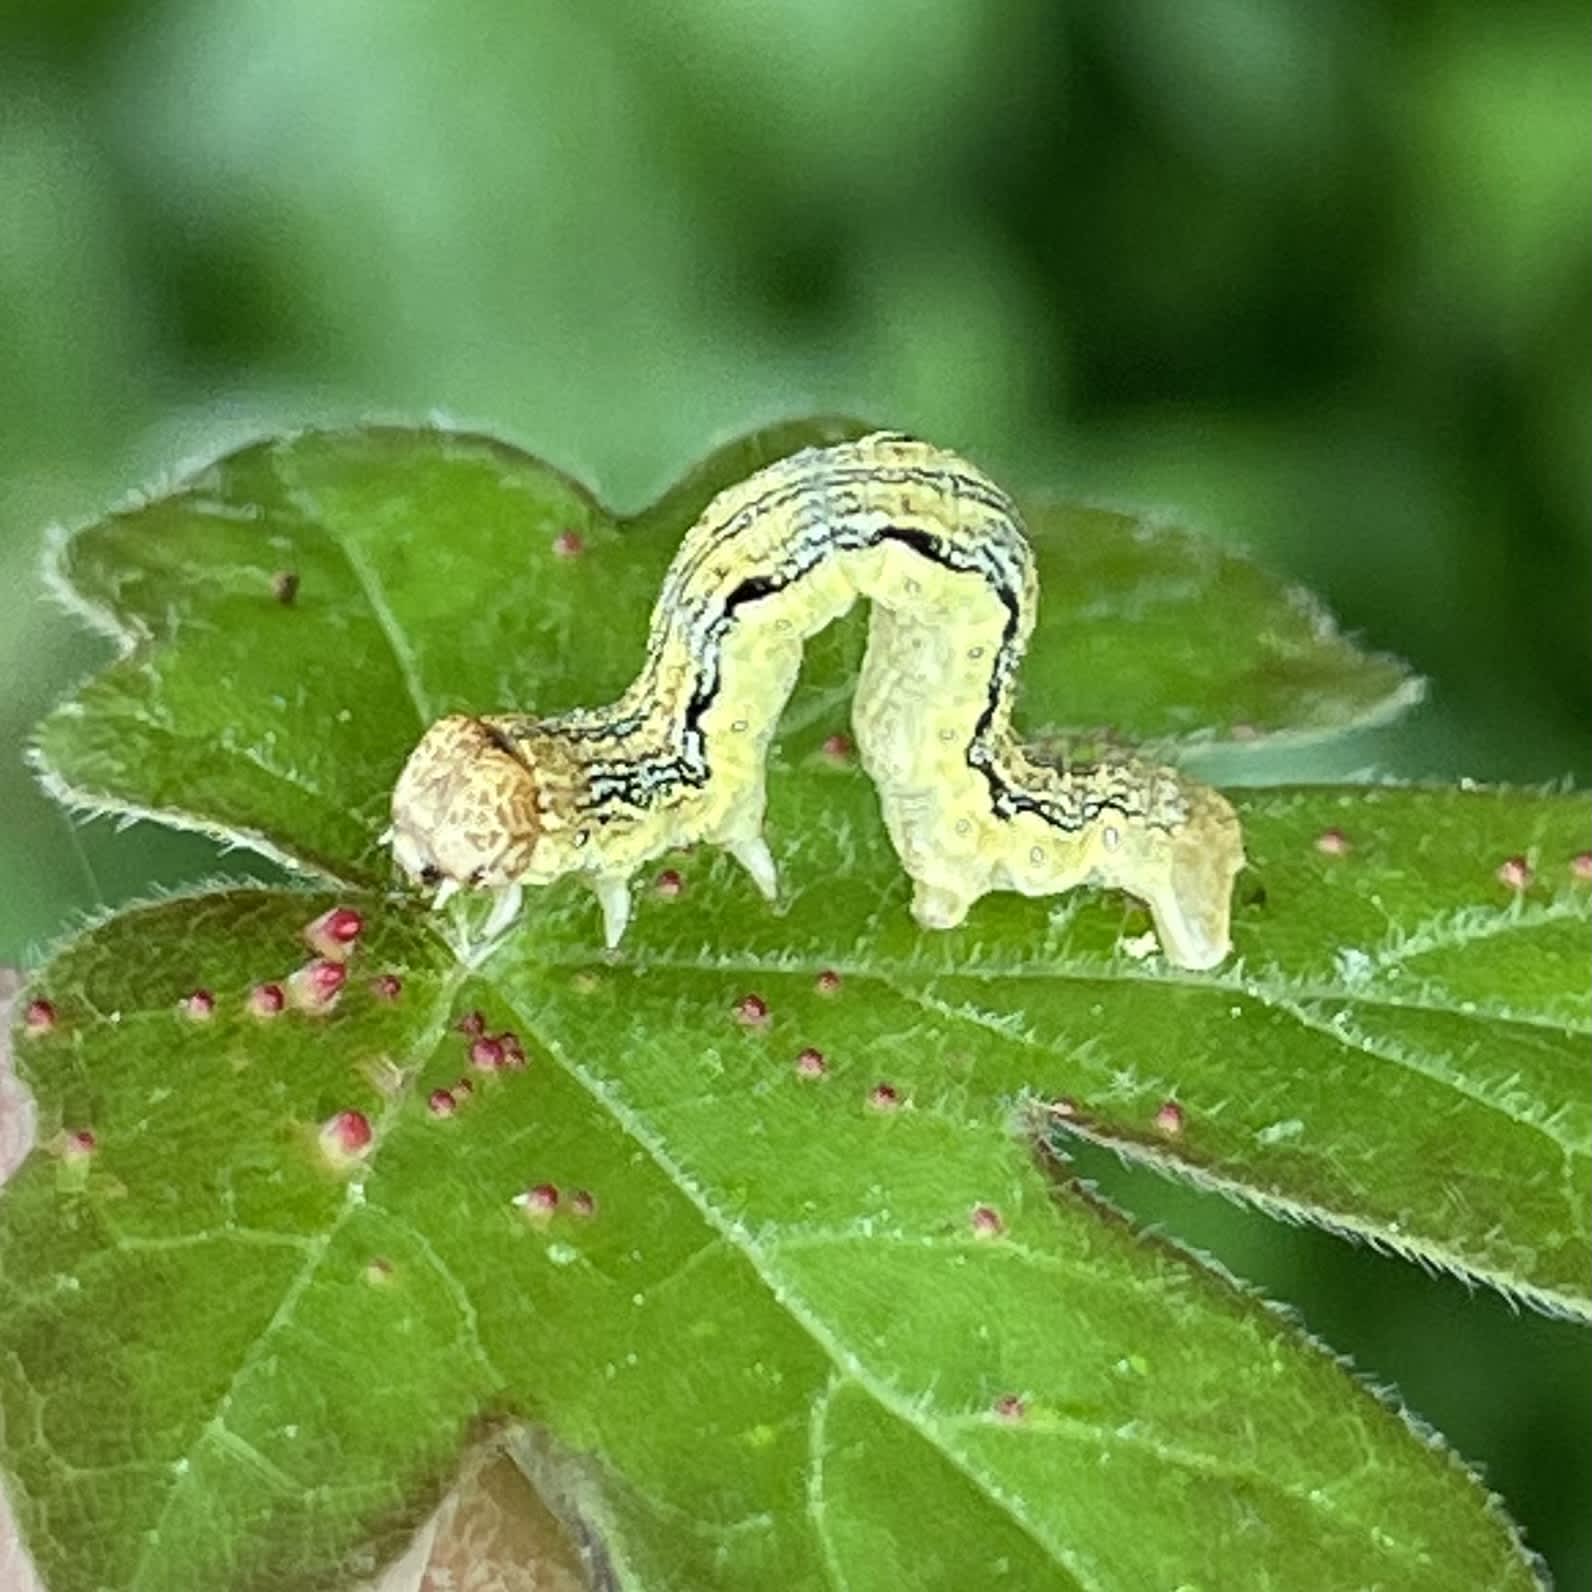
797 1340
429 577
1160 634
779 1350
1400 1049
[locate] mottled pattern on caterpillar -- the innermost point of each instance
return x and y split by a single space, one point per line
500 801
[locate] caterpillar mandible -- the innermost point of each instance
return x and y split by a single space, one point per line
499 801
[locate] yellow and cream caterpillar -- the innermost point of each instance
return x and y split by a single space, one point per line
499 801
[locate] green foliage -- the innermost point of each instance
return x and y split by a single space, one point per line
808 1333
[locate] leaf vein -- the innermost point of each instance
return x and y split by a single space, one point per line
790 1297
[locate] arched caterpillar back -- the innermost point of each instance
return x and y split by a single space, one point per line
500 801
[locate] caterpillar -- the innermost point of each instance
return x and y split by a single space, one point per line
499 801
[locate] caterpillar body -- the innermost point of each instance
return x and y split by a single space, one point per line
500 801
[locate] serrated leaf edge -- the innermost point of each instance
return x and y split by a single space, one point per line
1431 1259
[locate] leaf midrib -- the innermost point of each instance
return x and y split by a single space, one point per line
1113 974
1446 1256
405 657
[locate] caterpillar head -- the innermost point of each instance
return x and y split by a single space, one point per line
1183 870
464 810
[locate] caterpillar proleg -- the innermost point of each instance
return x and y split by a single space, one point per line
500 801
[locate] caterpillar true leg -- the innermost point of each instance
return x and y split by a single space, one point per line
753 855
504 911
613 896
505 800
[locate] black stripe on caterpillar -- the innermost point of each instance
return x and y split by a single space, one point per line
501 801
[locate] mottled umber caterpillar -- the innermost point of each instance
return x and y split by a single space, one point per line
500 801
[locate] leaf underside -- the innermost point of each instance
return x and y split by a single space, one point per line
811 1334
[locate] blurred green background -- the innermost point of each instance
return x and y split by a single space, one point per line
1317 276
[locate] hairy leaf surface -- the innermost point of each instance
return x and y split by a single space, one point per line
794 1338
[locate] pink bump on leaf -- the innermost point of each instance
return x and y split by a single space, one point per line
669 884
333 933
285 587
1333 843
1514 873
568 544
38 1017
472 1024
810 1063
316 986
464 1088
751 1010
513 1051
386 986
828 982
583 1202
266 1000
200 1005
1169 1118
1063 1106
78 1144
838 748
987 1222
538 1203
1009 1407
1581 865
486 1054
440 1103
884 1097
378 1271
346 1135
